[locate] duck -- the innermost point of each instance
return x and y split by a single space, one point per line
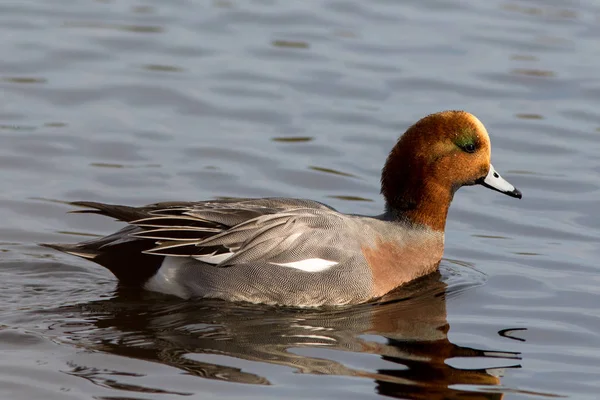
298 252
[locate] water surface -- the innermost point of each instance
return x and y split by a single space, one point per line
134 102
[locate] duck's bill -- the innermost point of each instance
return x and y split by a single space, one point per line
494 181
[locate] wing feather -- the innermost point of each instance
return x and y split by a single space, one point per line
179 233
220 232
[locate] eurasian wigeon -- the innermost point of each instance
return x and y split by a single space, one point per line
301 252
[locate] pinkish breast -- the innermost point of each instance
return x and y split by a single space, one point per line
395 263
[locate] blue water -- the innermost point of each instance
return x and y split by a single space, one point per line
134 102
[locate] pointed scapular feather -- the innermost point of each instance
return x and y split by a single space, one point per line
176 234
213 258
175 249
122 213
174 222
227 217
170 211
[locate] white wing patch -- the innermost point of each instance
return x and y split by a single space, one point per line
309 265
213 258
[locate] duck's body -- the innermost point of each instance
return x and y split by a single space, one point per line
277 251
302 252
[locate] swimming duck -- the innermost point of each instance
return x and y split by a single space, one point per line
301 252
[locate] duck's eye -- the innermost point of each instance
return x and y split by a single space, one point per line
469 148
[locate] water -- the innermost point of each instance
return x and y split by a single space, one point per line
134 102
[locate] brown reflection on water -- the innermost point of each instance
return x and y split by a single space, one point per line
330 171
350 198
24 80
533 72
290 44
292 139
406 331
117 27
162 68
529 116
545 12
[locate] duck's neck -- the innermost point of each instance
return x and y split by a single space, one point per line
431 211
414 200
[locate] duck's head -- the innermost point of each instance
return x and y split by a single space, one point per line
432 160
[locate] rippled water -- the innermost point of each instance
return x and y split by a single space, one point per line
134 102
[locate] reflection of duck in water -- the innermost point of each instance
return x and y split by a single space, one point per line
301 252
406 333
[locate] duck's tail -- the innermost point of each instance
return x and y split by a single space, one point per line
121 253
73 249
